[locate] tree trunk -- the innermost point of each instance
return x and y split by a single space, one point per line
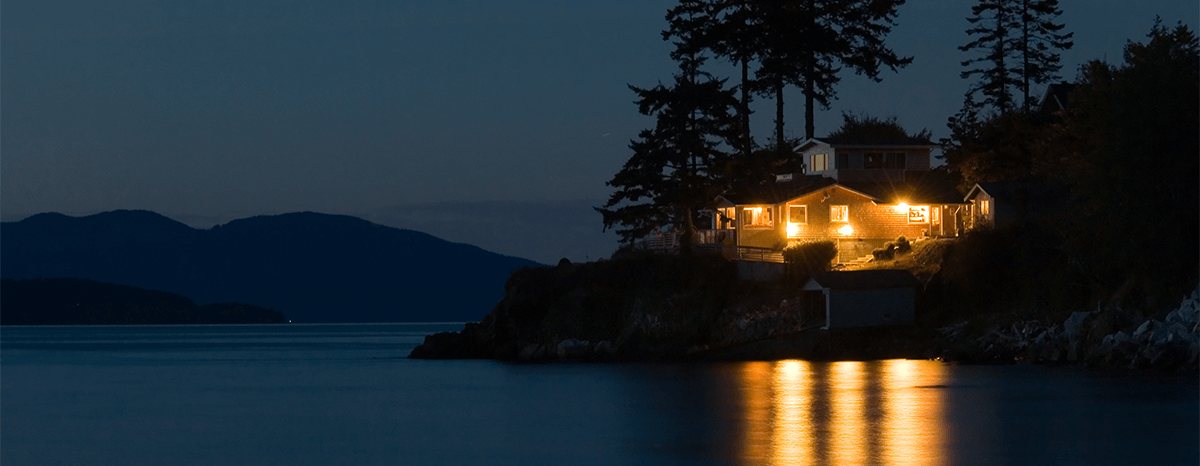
779 140
746 144
809 126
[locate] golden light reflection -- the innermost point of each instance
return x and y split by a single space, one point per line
846 230
792 435
793 230
847 420
879 412
912 430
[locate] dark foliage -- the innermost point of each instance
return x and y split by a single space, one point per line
805 259
868 127
674 167
902 245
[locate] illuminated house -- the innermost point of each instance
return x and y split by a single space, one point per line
860 208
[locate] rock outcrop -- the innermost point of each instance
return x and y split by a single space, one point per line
1103 337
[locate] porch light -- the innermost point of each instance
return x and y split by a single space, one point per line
846 230
793 230
902 207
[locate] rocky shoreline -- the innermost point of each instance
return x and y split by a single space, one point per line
621 311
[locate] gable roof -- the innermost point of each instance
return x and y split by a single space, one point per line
774 193
867 143
931 187
864 280
1057 97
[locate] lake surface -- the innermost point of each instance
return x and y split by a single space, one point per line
345 394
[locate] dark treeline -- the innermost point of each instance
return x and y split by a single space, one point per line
75 301
1122 147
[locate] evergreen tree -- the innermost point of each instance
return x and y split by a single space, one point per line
1018 39
675 166
812 40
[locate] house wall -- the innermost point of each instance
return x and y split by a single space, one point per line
869 308
759 237
981 220
916 159
872 224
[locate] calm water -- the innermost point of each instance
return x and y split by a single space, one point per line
344 394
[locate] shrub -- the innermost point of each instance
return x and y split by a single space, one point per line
902 245
803 260
883 254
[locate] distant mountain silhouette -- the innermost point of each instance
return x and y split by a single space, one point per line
77 301
313 267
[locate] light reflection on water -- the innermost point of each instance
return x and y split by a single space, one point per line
344 394
877 412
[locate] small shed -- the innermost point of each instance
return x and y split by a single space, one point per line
866 298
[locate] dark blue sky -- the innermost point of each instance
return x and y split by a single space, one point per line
213 110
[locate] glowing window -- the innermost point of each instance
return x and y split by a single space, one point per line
984 208
935 215
918 214
756 217
839 213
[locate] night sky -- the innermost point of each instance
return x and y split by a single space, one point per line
408 113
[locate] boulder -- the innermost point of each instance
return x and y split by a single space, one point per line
573 349
1073 327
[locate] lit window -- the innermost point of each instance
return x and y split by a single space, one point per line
984 209
935 215
839 213
756 217
918 214
819 162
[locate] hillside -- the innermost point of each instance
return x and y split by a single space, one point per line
313 267
75 301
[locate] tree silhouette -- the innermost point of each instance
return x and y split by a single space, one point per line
675 165
1018 39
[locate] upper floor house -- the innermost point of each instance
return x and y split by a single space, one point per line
866 160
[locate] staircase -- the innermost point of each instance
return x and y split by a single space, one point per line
860 261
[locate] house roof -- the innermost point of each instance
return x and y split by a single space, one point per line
935 188
867 142
1014 190
1056 97
931 187
774 193
864 280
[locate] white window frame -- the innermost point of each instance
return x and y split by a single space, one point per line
845 213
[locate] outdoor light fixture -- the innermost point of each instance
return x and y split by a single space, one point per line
793 230
846 230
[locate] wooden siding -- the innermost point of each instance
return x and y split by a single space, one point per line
873 224
868 220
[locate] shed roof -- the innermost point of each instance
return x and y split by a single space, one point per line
864 280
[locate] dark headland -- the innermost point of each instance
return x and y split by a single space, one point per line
641 306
